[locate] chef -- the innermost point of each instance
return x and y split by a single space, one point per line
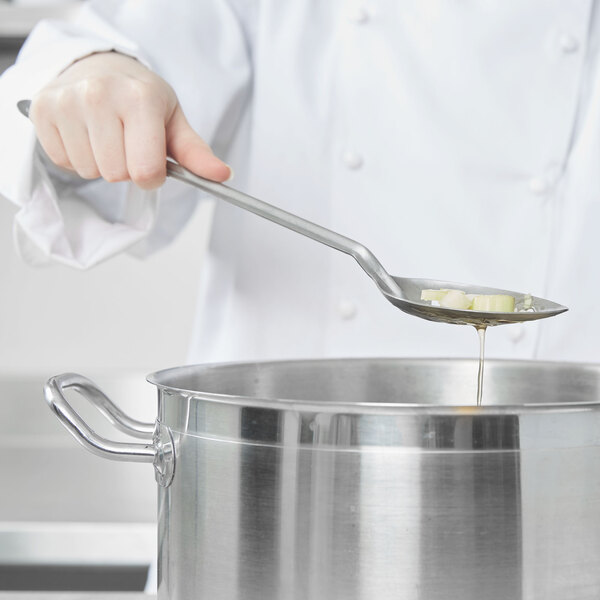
458 141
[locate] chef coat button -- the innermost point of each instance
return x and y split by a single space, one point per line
538 185
352 160
568 43
359 15
515 332
347 309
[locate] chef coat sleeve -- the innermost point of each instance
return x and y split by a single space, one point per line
200 48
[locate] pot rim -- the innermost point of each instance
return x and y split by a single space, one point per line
160 380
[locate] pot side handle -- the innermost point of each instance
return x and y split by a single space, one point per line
135 452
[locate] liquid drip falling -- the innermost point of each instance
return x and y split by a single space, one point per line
481 334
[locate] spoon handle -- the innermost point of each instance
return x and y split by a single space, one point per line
23 106
363 256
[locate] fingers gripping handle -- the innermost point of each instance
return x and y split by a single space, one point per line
158 447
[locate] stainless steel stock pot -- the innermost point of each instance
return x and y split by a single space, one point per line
368 479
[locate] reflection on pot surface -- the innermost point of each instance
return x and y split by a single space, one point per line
373 479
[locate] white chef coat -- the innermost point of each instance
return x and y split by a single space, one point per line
457 140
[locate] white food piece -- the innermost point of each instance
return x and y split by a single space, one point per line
458 299
455 299
494 303
433 295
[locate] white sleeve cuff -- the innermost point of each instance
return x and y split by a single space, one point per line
71 230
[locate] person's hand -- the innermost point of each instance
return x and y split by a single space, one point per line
109 116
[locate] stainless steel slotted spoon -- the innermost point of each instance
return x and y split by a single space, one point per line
402 292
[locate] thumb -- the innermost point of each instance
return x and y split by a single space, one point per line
191 151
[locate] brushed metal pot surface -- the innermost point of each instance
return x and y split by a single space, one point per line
368 479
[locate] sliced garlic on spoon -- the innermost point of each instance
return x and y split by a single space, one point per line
460 300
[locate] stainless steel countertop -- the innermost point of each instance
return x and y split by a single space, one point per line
77 543
75 596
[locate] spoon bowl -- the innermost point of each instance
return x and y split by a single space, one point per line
410 302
